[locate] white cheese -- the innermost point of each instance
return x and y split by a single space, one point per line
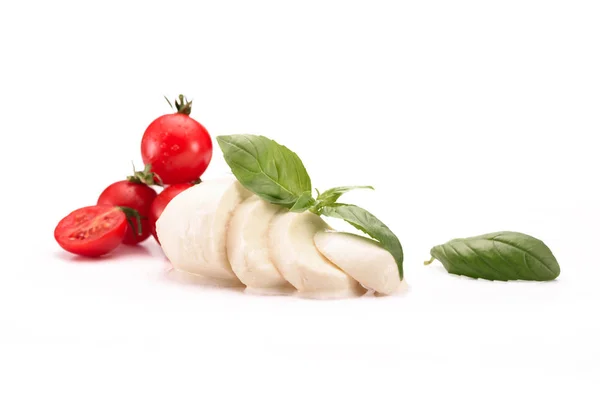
247 247
193 227
294 253
362 258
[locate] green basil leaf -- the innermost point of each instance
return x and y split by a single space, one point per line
304 202
498 256
266 168
369 224
332 195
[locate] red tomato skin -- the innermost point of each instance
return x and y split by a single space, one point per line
91 231
133 195
178 147
161 201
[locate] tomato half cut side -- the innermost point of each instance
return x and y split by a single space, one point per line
91 231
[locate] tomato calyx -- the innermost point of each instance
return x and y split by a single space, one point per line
132 215
146 177
182 105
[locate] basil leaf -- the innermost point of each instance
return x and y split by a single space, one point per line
369 224
332 195
266 168
498 256
304 202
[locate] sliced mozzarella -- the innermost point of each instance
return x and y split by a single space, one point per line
362 258
294 253
248 247
193 227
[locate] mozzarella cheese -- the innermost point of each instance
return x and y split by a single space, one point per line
294 253
193 227
247 247
362 258
221 233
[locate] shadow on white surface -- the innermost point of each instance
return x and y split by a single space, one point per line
121 252
441 270
184 278
173 275
403 290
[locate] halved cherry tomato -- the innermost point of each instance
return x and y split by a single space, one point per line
91 231
161 201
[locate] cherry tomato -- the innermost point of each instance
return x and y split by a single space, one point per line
91 231
177 147
161 201
136 196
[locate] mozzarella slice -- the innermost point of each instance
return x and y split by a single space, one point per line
247 247
193 227
294 253
362 258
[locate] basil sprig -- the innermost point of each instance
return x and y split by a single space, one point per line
498 256
277 175
332 195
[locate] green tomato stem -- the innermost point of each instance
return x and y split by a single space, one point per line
132 215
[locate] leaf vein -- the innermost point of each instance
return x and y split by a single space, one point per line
466 265
262 170
526 252
499 253
484 261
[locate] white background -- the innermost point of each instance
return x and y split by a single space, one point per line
467 116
